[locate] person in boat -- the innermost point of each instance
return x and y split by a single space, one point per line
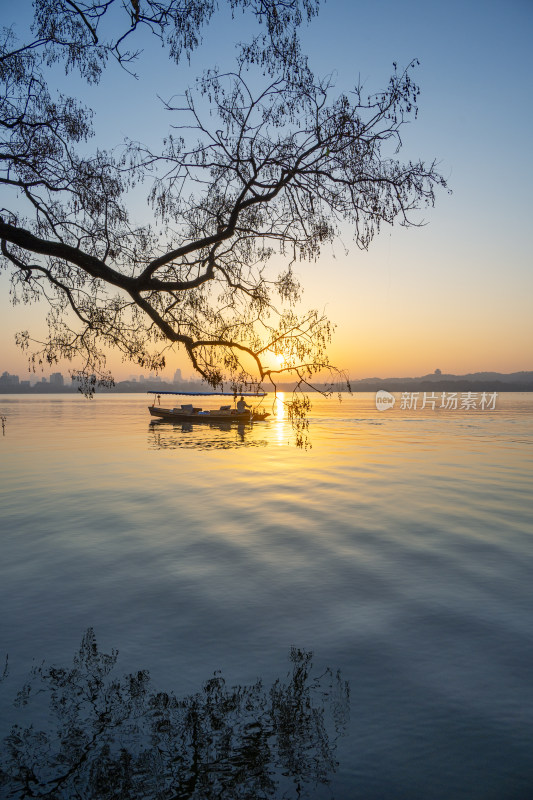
242 405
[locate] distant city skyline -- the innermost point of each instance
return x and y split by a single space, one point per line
435 381
59 379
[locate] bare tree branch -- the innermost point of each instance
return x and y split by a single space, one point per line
249 174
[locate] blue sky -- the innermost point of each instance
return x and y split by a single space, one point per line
455 294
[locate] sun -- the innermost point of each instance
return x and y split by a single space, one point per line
279 361
274 360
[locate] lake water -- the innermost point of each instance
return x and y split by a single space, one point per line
398 550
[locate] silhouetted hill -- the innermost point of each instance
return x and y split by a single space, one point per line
475 381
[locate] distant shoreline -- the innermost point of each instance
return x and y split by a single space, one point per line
408 385
473 382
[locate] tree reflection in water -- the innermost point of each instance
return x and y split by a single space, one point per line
115 737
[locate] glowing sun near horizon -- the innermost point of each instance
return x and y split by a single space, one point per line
275 360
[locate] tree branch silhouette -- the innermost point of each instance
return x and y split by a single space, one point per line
257 169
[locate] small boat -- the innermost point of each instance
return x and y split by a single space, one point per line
197 415
188 413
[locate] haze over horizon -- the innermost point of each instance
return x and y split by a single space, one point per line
525 376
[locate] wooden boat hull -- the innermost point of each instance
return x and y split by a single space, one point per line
212 416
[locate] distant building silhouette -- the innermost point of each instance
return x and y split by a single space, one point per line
56 379
9 380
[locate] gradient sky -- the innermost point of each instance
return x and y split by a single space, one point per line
456 294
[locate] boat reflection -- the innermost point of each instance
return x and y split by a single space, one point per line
164 434
110 736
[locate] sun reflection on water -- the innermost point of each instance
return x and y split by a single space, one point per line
278 406
279 418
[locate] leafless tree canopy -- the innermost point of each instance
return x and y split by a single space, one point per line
253 173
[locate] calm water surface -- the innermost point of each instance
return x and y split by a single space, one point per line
398 550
